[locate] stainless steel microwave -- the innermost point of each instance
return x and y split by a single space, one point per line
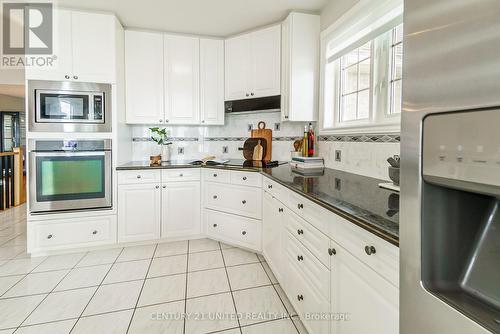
69 106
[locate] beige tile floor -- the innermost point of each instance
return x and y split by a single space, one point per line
195 286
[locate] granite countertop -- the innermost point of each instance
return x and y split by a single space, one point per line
356 198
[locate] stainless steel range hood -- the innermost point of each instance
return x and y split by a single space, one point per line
260 104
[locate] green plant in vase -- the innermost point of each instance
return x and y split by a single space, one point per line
160 136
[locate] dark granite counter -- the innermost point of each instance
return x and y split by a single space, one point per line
356 198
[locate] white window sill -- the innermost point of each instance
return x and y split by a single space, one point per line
387 128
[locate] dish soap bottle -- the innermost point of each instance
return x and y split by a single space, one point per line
305 142
310 141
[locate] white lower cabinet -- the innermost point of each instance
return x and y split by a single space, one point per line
369 303
139 212
273 220
180 209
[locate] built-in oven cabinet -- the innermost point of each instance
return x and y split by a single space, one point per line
173 79
59 234
252 64
84 48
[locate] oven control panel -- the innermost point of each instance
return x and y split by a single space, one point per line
462 150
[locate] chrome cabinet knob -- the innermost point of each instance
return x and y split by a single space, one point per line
203 121
332 251
247 94
300 297
215 225
181 175
164 187
94 232
49 236
244 178
369 250
157 187
300 258
252 94
300 206
138 176
299 232
280 210
244 202
215 196
75 77
269 186
244 232
66 77
286 117
161 121
215 175
166 121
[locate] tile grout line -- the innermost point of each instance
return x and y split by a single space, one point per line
186 290
72 328
142 287
230 288
46 296
276 290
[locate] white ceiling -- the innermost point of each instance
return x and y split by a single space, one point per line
12 90
202 17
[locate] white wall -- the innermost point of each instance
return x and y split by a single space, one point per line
334 10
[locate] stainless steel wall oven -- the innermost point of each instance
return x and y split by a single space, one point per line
70 175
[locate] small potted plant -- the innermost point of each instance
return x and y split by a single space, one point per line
160 136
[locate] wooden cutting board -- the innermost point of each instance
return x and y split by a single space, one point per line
249 147
267 134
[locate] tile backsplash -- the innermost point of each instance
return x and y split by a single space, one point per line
360 154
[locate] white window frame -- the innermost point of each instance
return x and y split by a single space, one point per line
353 29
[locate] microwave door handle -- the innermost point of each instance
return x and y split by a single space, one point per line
69 154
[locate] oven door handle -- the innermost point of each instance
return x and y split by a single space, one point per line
69 154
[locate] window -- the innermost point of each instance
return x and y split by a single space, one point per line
396 69
355 70
361 70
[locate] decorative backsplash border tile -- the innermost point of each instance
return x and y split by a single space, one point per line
145 139
245 138
363 138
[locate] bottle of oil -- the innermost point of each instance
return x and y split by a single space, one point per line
310 141
305 143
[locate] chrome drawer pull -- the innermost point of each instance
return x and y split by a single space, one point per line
300 297
49 236
369 250
299 232
300 258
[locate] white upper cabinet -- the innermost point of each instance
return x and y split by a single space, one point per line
212 81
253 64
300 67
182 79
84 48
144 77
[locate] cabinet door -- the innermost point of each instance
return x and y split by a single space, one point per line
265 66
180 209
62 64
272 229
370 301
237 67
138 212
285 68
144 77
212 81
93 45
182 79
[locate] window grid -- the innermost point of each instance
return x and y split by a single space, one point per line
344 93
396 80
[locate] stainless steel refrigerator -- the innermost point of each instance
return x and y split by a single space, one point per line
450 176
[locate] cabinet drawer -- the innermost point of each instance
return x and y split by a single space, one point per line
139 176
307 301
185 174
315 241
75 232
217 175
317 216
315 273
244 201
234 229
385 259
275 189
252 179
